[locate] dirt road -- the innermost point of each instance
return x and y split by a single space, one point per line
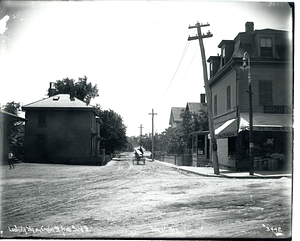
152 200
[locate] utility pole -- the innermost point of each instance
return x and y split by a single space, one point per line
141 126
152 133
251 146
208 93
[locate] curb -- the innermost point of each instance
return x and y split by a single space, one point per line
255 176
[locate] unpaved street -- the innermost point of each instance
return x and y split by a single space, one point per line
152 200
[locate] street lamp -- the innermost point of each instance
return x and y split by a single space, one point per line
251 156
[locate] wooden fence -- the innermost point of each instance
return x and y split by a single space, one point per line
179 160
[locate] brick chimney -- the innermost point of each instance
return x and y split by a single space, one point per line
249 27
202 98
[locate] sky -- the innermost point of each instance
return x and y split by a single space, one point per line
137 52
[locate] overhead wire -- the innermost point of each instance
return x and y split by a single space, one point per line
182 56
187 70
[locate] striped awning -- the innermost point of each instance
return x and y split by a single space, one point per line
228 129
266 122
261 122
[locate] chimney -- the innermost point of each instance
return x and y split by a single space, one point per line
72 96
202 98
51 89
249 27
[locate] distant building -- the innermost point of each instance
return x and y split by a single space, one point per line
61 129
197 107
272 85
6 119
175 118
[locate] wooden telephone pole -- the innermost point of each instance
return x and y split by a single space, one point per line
141 134
208 93
152 133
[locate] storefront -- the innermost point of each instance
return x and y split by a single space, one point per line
272 142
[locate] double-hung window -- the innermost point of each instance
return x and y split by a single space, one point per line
265 92
215 105
266 47
228 95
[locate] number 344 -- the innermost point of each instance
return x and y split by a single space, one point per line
274 229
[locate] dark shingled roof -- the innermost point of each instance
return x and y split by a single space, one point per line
196 107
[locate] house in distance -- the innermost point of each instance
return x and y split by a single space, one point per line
62 129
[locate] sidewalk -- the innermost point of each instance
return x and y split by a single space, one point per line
209 172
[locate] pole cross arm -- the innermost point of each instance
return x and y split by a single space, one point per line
198 37
200 25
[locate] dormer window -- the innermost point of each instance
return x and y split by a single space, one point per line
223 56
266 47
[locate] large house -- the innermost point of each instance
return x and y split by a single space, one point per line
62 129
271 70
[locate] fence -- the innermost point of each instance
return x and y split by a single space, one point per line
179 160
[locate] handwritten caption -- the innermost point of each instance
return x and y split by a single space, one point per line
164 229
276 230
28 230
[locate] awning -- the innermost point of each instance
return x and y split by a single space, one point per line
228 129
266 122
261 122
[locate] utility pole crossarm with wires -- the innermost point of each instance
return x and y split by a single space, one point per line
208 93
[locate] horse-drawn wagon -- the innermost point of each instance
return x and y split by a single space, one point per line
138 156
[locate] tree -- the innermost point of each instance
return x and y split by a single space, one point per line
80 89
16 131
112 130
174 140
192 122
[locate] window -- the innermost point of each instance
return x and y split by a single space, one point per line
223 56
266 47
201 145
223 52
42 119
228 97
231 146
215 105
265 92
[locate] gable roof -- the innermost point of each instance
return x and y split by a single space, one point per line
11 116
175 114
59 102
196 107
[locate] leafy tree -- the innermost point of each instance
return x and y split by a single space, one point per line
174 140
16 130
80 89
113 131
192 122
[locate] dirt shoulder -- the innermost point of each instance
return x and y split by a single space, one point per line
122 200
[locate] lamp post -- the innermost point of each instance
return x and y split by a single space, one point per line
251 156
